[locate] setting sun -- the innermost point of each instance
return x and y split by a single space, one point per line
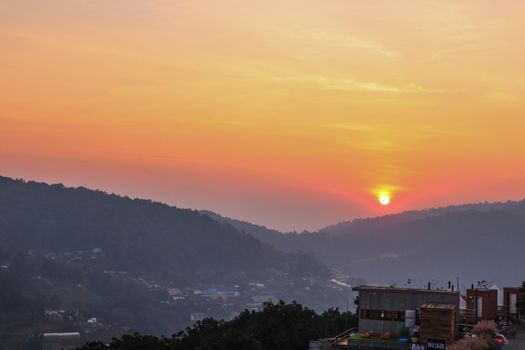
384 199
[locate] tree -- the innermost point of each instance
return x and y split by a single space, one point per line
278 326
356 303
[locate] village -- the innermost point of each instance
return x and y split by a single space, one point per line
417 319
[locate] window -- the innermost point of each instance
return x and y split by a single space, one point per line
363 314
375 314
385 315
399 316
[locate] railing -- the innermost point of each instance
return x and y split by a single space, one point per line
468 315
344 335
372 344
343 341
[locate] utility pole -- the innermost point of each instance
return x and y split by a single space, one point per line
346 318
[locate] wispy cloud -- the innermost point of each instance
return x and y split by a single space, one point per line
69 42
335 39
349 84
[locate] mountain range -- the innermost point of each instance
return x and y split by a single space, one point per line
469 243
75 258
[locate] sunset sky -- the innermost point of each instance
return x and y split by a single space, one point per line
294 114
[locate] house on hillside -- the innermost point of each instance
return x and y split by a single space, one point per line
385 309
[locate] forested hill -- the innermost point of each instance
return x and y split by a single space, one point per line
135 235
93 254
346 227
264 234
473 242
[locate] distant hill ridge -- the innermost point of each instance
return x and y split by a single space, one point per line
412 215
483 241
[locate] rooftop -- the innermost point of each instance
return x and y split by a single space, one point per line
483 289
402 290
61 335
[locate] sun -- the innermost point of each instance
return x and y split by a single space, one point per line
385 194
384 199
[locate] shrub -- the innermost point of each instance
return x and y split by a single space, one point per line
404 333
485 329
471 344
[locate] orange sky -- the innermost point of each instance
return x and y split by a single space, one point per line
293 114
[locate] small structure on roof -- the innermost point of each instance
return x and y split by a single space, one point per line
510 299
438 321
482 304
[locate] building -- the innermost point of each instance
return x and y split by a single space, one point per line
483 303
510 298
197 317
60 341
384 309
219 294
438 321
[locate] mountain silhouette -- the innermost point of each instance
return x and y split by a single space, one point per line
470 242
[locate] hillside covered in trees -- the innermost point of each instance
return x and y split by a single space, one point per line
76 259
471 242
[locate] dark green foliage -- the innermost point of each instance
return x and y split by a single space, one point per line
279 326
404 332
356 303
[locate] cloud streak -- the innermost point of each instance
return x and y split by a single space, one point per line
349 84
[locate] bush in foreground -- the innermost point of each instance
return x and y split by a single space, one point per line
471 344
484 340
278 326
485 329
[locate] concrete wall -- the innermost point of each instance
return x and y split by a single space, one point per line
381 326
